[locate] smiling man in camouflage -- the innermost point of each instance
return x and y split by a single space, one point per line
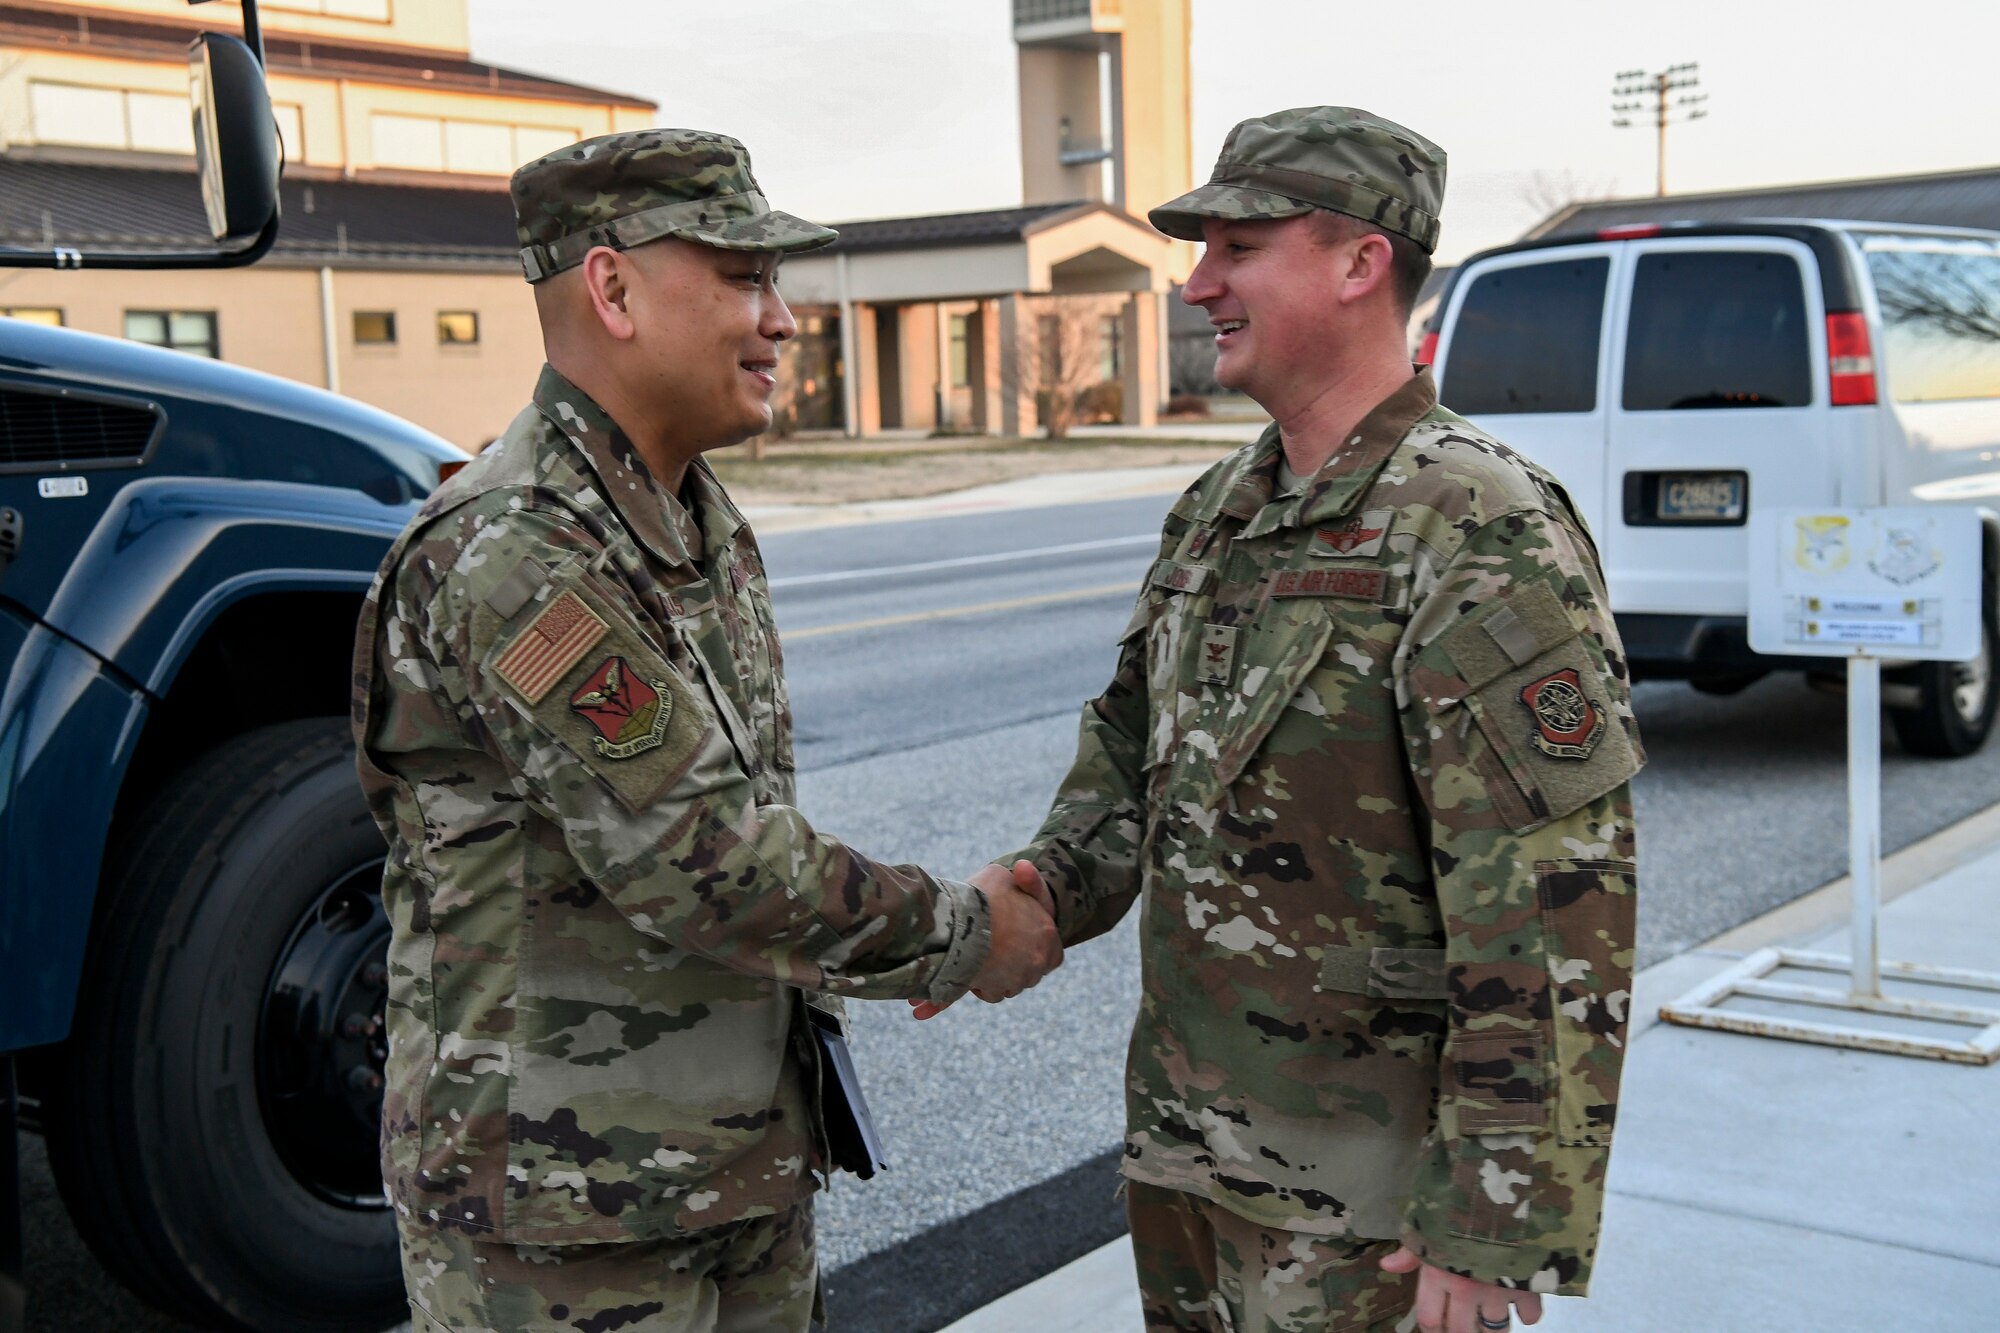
607 1103
1367 753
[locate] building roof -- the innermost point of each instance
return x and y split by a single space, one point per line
995 226
337 222
312 57
1942 199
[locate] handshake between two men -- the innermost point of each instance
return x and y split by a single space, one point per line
1025 948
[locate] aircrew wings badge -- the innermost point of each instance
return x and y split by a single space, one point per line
1567 723
630 714
1361 535
554 641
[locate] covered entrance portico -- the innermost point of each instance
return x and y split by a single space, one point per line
986 322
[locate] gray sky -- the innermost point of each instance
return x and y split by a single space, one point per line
877 108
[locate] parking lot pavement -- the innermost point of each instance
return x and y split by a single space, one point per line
1758 1184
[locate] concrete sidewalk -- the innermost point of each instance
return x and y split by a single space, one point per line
1761 1185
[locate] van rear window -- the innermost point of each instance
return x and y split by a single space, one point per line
1940 321
1717 329
1526 340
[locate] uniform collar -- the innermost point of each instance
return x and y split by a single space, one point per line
1344 478
628 485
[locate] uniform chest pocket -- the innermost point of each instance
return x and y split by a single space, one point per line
1553 719
1229 725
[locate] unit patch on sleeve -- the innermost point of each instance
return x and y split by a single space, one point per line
630 714
1361 585
1567 723
554 641
1359 536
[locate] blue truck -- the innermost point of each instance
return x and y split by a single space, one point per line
191 936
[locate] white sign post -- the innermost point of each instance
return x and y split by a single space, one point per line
1865 584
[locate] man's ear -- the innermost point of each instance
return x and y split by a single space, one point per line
605 274
1370 269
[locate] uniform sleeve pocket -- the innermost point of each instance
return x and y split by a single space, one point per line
575 670
1497 1081
1550 713
1588 919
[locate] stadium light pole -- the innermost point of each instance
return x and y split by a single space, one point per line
1672 101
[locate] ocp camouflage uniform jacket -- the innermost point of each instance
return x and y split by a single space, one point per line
1367 753
574 732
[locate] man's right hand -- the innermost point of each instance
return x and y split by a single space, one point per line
1026 947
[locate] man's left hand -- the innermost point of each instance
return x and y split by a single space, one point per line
1448 1303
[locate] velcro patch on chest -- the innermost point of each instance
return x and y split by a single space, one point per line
553 642
1177 577
1218 655
1359 537
1359 585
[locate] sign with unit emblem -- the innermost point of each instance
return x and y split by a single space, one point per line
630 714
1362 535
1567 723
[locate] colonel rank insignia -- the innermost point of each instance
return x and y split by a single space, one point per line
1567 724
630 714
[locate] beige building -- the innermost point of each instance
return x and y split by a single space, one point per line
395 277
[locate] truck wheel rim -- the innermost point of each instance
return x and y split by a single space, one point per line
322 1046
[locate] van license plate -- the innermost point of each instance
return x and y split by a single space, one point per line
1707 497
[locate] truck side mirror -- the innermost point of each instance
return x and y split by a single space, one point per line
235 137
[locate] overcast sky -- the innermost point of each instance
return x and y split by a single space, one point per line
880 108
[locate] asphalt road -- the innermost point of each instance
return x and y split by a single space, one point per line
936 668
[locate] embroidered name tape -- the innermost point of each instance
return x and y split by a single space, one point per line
1362 585
554 641
1176 577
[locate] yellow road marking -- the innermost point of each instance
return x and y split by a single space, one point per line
982 608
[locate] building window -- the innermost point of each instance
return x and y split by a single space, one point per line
183 330
376 11
1111 347
427 143
110 118
291 130
458 328
1048 329
961 351
34 314
374 327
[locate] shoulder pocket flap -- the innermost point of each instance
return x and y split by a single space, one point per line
1180 576
584 676
1552 724
1385 974
1510 634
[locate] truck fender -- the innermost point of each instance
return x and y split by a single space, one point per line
63 719
172 553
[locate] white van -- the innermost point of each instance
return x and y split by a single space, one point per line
1673 376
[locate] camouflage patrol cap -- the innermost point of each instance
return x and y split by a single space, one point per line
626 189
1334 157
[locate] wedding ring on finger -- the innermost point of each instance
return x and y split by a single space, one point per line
1504 1321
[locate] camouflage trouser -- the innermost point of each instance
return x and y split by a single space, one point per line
1203 1269
760 1275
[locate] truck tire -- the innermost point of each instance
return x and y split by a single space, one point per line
1955 703
212 1118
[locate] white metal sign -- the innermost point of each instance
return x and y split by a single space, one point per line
1864 584
1900 583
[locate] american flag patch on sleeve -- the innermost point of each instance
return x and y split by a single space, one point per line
553 642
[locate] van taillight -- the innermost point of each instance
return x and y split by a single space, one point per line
1628 231
1427 350
1850 360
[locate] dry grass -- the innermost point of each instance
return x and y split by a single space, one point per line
848 471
